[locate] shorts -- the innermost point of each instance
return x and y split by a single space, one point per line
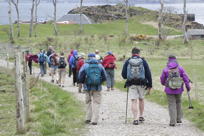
53 69
136 92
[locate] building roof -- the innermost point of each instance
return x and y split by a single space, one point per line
75 18
195 32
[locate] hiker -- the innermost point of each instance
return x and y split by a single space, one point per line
42 60
173 77
73 60
98 57
28 57
53 65
49 52
109 65
92 74
62 69
68 59
79 64
139 79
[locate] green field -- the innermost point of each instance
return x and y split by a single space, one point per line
54 112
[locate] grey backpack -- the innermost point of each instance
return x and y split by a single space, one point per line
135 69
174 80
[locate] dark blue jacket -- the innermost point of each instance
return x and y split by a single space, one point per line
148 75
82 76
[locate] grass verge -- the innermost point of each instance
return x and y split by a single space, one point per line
53 112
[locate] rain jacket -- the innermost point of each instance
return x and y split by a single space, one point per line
172 63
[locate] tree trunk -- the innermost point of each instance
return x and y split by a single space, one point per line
55 16
184 23
31 18
11 35
160 21
18 16
126 17
81 25
37 2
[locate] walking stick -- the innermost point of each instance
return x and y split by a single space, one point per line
126 106
190 102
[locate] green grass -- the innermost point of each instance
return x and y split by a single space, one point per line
7 103
54 112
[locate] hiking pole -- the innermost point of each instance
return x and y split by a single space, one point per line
126 106
190 102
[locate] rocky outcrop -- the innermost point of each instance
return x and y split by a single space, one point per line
103 13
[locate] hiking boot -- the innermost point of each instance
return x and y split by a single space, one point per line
172 125
87 121
93 123
108 89
179 121
62 85
112 89
141 119
52 81
135 122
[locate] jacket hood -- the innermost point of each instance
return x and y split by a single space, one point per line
75 52
71 52
172 64
92 60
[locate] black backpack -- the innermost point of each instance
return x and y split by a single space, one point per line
62 63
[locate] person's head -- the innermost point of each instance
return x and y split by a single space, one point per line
82 55
91 56
96 51
172 57
50 48
135 50
27 52
62 54
109 53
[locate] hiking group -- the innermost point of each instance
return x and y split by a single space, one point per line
89 74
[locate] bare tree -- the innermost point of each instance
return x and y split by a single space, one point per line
15 3
11 35
184 23
37 2
126 17
160 20
81 25
55 16
31 18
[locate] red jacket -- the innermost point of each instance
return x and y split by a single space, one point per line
80 63
109 61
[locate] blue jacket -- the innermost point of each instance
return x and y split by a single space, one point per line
82 76
72 60
148 75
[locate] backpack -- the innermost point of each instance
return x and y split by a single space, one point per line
110 65
174 80
53 61
93 74
75 61
62 63
135 69
42 58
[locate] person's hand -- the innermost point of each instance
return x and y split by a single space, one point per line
148 91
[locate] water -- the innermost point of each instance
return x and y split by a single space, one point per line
45 10
194 8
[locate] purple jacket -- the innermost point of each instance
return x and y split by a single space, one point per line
170 65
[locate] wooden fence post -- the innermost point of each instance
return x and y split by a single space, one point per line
7 60
25 87
20 110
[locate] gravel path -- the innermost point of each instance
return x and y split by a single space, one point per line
112 116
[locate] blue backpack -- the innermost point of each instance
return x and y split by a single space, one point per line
93 74
135 69
42 58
